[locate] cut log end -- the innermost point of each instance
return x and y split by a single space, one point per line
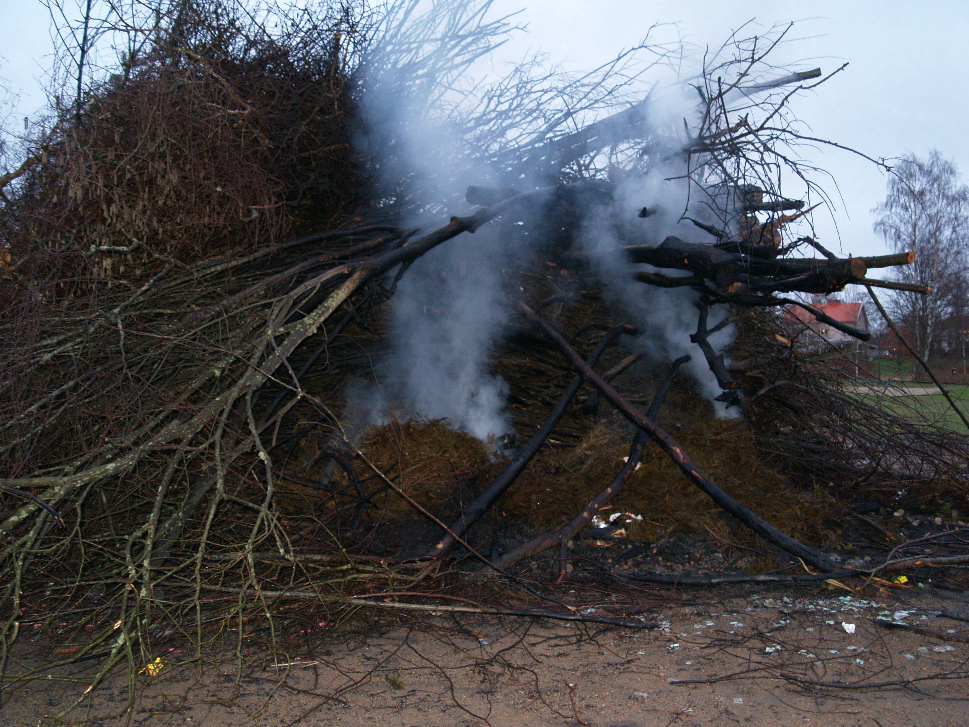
857 268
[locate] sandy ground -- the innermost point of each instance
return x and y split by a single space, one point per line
758 657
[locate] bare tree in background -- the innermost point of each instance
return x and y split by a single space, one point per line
927 210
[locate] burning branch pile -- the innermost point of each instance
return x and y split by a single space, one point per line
197 287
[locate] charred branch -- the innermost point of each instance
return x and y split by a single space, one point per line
562 536
591 404
895 285
670 446
731 578
726 269
481 504
710 229
731 395
824 318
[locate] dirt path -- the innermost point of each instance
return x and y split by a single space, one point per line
762 658
890 390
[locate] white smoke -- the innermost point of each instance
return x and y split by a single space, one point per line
449 309
666 316
447 313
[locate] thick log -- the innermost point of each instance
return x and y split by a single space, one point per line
889 261
875 261
704 260
707 260
768 252
725 268
852 267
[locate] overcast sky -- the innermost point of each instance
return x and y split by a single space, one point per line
906 88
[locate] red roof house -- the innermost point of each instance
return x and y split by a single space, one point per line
813 331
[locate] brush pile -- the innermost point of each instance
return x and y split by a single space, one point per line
201 260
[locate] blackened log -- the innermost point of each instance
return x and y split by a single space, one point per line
708 260
675 452
767 252
725 268
675 253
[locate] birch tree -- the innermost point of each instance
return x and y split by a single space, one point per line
927 210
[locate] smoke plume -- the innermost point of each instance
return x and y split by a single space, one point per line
666 317
449 309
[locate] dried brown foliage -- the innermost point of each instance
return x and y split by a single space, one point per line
820 424
219 137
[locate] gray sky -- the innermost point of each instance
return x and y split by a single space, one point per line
905 89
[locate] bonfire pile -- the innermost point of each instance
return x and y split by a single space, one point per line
201 254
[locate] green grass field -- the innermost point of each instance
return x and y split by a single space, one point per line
925 408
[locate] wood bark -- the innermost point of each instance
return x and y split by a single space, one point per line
732 272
